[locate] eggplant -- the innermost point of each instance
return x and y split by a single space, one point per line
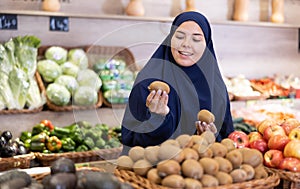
8 151
7 135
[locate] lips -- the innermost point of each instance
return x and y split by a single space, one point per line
185 53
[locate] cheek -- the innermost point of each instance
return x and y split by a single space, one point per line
199 50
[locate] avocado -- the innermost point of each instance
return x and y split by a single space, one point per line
63 165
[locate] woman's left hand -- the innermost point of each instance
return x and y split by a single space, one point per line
157 102
203 126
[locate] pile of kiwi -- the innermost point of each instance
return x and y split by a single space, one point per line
194 162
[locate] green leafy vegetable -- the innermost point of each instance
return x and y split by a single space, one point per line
58 94
49 70
78 57
85 95
57 54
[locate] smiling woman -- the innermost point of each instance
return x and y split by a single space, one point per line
186 62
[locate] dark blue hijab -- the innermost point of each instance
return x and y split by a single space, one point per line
193 88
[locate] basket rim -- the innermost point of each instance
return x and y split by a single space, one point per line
272 180
286 175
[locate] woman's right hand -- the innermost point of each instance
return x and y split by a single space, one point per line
157 102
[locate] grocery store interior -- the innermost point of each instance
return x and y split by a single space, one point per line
259 58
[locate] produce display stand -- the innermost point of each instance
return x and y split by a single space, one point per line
140 182
289 180
18 161
79 157
35 110
95 52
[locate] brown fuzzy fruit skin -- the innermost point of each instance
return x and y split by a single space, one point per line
205 116
156 85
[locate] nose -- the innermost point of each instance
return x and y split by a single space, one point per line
186 43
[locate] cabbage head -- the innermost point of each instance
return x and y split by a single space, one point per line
68 68
85 96
58 94
49 70
68 81
88 77
78 57
57 54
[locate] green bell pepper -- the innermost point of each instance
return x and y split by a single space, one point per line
37 146
38 128
76 134
68 144
41 137
25 135
60 132
89 142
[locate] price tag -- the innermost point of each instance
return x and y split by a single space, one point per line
59 23
8 22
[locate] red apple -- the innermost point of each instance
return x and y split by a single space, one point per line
265 124
278 142
289 124
290 164
292 149
239 138
259 144
273 130
254 135
272 158
295 134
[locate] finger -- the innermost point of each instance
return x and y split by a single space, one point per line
165 98
158 94
149 98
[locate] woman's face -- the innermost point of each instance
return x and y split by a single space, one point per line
188 43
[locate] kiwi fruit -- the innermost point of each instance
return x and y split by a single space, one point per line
249 170
190 153
173 181
209 181
124 163
198 139
218 149
252 157
169 151
235 157
172 142
151 154
192 168
141 167
136 153
224 178
210 166
260 172
192 183
224 164
184 140
153 176
168 167
205 116
209 136
203 150
156 85
238 175
230 145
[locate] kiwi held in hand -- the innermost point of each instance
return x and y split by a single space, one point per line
156 85
205 116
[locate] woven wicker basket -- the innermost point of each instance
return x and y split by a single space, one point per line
289 179
141 182
19 161
80 157
35 110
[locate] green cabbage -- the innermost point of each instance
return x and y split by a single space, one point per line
78 57
57 54
49 70
88 77
58 94
68 68
68 81
85 96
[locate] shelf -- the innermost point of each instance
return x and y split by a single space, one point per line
144 18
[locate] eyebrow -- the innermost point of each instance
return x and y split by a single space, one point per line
197 34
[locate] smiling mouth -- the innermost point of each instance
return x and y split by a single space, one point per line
185 53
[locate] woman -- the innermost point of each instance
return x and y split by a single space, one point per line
186 61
